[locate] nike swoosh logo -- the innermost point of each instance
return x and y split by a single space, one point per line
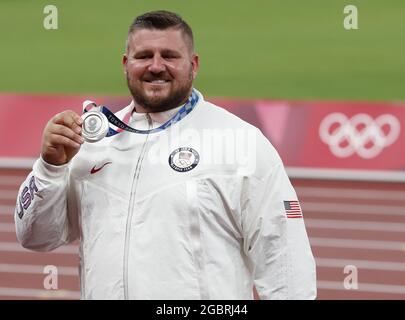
94 169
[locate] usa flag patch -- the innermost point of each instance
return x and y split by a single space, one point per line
293 209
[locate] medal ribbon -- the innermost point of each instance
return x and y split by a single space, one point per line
113 119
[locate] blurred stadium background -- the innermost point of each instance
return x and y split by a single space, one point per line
255 55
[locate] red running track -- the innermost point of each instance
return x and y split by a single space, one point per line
359 226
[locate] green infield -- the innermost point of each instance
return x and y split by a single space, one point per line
263 49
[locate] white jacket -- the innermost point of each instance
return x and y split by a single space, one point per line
155 221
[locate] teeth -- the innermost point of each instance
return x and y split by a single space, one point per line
158 81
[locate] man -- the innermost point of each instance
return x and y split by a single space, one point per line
176 210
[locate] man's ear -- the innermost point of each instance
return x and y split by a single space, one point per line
195 63
124 62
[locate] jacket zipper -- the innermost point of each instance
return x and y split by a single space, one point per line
135 180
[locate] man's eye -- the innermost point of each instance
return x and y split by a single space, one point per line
170 57
141 56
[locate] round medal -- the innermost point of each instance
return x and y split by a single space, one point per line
95 126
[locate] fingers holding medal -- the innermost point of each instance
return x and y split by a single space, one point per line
62 138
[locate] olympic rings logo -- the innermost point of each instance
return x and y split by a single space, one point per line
361 134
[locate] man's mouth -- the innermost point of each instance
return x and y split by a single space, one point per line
157 81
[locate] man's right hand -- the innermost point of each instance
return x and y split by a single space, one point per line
61 139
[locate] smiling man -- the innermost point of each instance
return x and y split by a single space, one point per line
181 200
160 63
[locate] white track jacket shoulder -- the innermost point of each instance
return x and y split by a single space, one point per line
201 210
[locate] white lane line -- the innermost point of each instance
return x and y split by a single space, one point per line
16 162
332 207
355 225
36 269
39 293
357 244
16 247
342 193
346 174
362 264
362 287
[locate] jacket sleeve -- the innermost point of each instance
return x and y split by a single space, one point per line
43 218
277 246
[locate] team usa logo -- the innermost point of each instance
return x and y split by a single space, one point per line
184 159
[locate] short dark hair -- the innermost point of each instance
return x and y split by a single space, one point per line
162 20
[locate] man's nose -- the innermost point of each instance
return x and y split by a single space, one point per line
157 65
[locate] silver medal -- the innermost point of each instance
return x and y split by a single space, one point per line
95 126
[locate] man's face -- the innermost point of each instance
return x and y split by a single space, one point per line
160 69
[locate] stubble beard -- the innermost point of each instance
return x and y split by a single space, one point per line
159 104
